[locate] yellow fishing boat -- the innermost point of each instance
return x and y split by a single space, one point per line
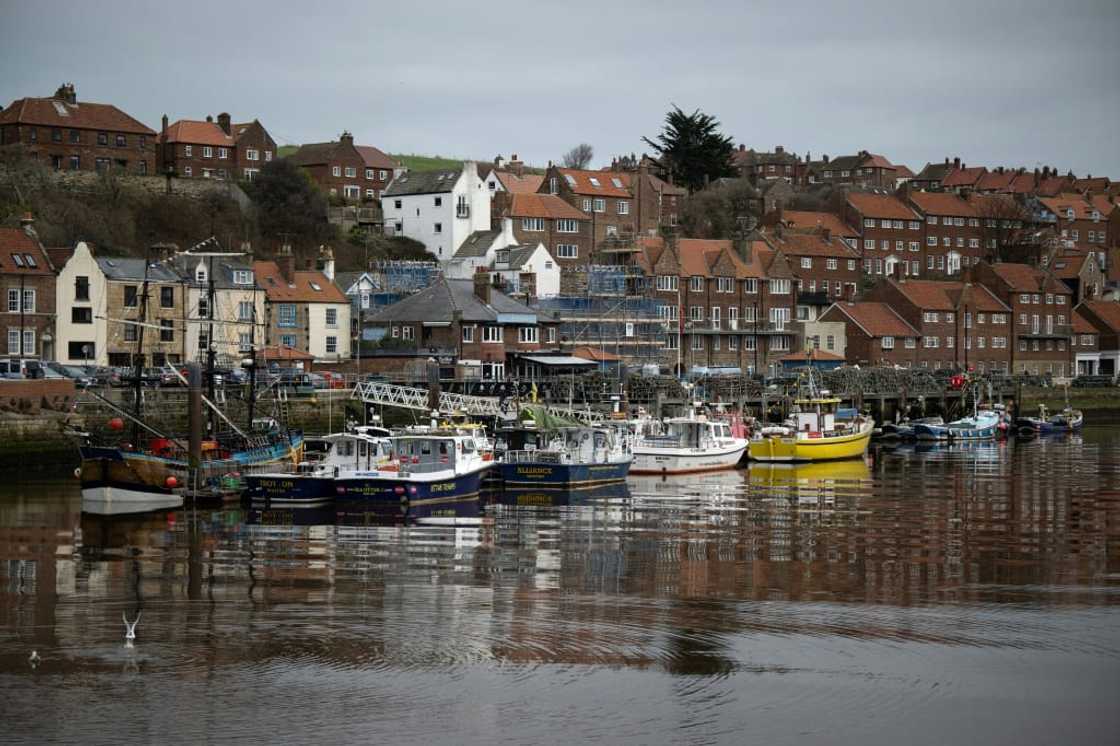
814 432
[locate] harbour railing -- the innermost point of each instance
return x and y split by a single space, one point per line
408 397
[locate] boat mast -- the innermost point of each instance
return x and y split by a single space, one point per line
253 359
210 340
138 358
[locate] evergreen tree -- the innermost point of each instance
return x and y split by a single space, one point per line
693 149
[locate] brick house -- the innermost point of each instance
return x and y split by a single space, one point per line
1041 308
876 334
863 169
1085 222
304 309
809 221
468 323
933 175
1104 316
825 268
194 149
28 279
889 232
255 147
1081 273
952 232
605 197
379 171
762 166
69 135
339 169
546 218
732 305
962 325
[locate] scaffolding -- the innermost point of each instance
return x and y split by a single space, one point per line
403 277
616 314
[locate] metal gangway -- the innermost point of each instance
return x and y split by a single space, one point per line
408 397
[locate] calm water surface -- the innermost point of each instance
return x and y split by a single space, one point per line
965 595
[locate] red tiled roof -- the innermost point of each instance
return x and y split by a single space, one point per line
542 206
1108 311
1023 277
197 133
1023 183
996 181
580 182
15 242
939 295
877 319
1081 324
963 177
300 290
880 206
876 161
698 254
53 112
942 203
814 244
903 172
594 353
1068 266
1082 209
812 220
376 158
59 255
283 352
515 184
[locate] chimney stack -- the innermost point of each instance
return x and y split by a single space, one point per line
516 166
223 122
956 163
742 147
346 138
778 149
67 93
325 262
826 234
27 222
825 157
286 262
482 285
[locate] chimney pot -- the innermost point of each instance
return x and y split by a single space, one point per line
224 122
956 162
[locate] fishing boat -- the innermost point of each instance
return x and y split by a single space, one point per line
904 429
429 469
687 444
363 451
982 425
1068 420
817 430
543 450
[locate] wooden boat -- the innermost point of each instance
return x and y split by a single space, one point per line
816 431
363 451
983 425
430 469
686 445
543 450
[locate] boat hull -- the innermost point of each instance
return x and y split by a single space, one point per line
561 476
289 490
132 473
412 495
685 460
947 433
785 449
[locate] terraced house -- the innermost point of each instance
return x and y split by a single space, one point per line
1041 308
952 232
876 334
546 218
1085 222
825 268
890 233
355 173
72 135
731 305
28 282
304 309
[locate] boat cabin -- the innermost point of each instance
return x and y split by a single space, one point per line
355 451
429 453
574 445
688 432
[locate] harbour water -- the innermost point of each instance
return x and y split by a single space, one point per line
936 595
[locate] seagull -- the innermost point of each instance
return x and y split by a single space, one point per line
130 628
34 659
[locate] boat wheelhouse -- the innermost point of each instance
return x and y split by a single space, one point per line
364 451
687 444
548 451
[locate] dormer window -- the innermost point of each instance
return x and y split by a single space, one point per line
1069 213
242 277
595 182
503 256
316 287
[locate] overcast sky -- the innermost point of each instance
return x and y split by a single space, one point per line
1017 83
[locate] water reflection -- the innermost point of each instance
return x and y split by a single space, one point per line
801 588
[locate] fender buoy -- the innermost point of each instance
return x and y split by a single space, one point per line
78 473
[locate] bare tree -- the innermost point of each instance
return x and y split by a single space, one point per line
578 157
1007 234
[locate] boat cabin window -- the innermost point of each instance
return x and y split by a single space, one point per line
363 449
345 447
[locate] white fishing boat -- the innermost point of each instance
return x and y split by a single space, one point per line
687 444
363 451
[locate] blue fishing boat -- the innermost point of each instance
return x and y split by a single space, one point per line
983 425
546 451
428 470
1068 420
904 430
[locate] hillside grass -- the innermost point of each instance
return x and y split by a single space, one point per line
414 162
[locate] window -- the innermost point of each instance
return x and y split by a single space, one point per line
931 219
286 315
696 342
468 334
806 262
831 264
130 332
667 283
244 341
599 204
910 343
437 228
696 284
167 297
369 174
527 335
725 284
203 308
715 317
667 312
779 287
332 345
899 245
406 333
974 243
223 153
930 317
851 265
779 317
186 170
567 226
750 285
332 317
931 240
351 172
567 251
245 310
552 334
888 343
166 330
885 245
81 315
336 170
915 225
869 244
207 151
869 222
623 207
930 342
288 340
130 296
672 341
533 225
491 334
695 313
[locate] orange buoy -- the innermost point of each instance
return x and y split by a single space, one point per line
116 424
171 482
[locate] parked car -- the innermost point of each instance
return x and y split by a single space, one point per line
10 369
77 373
317 381
334 380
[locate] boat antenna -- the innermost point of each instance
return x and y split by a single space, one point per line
138 359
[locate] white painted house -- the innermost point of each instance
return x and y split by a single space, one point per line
514 264
440 209
81 301
478 251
